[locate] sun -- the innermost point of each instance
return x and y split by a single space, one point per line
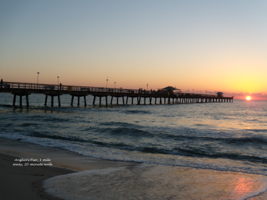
248 98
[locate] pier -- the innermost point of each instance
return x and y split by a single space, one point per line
103 96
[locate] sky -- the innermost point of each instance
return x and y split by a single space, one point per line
207 45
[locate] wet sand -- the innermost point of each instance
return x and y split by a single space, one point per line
17 183
79 177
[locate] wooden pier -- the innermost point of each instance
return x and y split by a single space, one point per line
127 96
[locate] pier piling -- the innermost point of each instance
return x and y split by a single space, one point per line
21 94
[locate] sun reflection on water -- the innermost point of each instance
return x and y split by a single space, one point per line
243 186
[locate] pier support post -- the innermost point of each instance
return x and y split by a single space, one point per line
21 94
14 100
46 96
106 97
27 101
52 101
52 95
139 100
72 98
100 101
94 101
20 101
78 103
111 99
58 99
84 99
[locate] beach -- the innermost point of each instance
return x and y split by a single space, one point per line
25 182
80 177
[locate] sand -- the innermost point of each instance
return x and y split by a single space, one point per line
78 177
25 182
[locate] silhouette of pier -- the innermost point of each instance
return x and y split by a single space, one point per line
104 96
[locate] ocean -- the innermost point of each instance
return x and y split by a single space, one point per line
221 136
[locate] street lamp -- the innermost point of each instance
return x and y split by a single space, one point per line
37 79
58 80
107 82
115 85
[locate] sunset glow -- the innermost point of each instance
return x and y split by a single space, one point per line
248 98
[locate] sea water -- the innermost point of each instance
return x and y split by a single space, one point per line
220 136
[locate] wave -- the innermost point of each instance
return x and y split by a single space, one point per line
57 137
121 131
204 154
181 151
254 140
48 118
134 132
117 145
7 124
120 124
257 130
161 137
247 140
137 112
210 154
28 124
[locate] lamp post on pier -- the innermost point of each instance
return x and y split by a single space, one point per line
58 83
107 83
37 79
58 80
115 85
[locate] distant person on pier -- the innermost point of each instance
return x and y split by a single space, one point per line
2 82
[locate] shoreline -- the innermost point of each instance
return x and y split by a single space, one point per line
68 166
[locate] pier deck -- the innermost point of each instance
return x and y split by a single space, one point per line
136 96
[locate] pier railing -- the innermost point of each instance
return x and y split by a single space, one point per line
37 87
40 88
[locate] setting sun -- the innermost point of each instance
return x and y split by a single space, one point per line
248 98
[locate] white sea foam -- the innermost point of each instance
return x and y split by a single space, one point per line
262 190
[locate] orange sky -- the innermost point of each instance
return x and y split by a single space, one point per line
208 46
